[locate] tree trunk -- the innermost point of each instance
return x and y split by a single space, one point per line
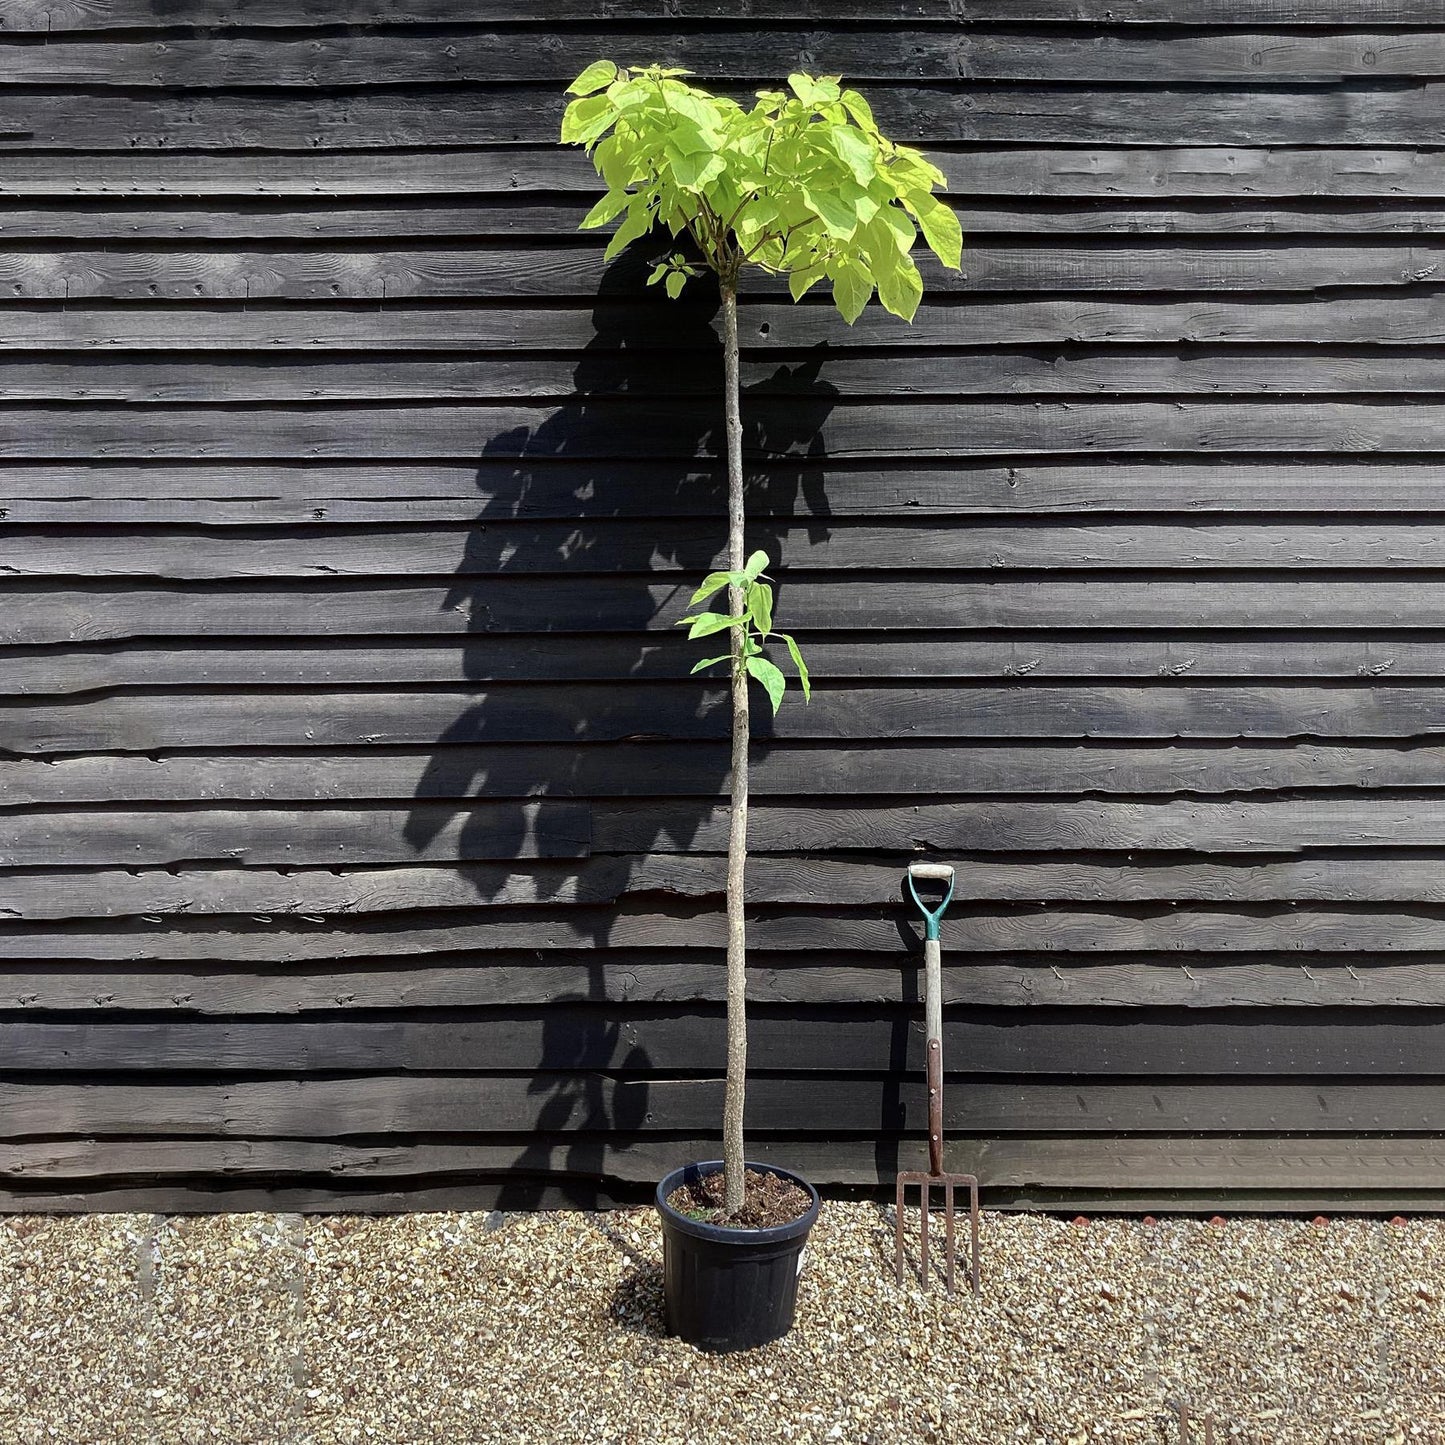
738 827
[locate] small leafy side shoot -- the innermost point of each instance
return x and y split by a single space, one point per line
756 622
802 184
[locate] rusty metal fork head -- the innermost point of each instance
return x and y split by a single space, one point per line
948 1183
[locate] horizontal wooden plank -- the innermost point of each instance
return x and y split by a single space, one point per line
1381 876
428 832
479 52
1356 113
233 494
540 548
556 828
80 613
684 431
1241 175
137 218
1248 371
585 713
1071 934
574 270
629 977
46 16
592 1104
891 52
40 673
969 321
834 1041
663 711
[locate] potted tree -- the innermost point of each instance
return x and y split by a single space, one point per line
804 185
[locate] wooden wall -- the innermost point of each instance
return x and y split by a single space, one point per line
361 826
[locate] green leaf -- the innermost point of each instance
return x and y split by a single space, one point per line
658 272
715 582
760 606
901 290
692 172
706 623
637 224
610 206
754 567
860 110
674 284
900 227
802 281
854 151
852 290
940 228
584 120
771 678
839 219
710 662
598 74
798 662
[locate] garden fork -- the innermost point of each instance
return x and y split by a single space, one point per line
933 1022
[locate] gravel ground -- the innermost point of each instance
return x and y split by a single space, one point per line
546 1328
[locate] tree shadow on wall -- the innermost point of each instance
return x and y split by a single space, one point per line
597 523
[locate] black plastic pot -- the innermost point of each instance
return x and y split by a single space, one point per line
730 1289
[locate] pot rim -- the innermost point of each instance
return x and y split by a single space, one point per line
724 1234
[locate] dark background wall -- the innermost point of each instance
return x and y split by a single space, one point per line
361 827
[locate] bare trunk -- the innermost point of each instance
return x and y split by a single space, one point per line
738 827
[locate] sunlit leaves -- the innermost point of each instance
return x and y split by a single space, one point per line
597 75
803 184
754 624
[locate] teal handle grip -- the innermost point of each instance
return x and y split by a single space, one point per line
932 917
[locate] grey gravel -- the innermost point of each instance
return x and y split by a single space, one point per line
546 1328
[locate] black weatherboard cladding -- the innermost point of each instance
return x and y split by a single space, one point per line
360 825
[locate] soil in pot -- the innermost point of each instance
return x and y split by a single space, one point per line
768 1201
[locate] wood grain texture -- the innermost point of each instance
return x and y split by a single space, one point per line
1239 177
75 613
585 1037
1394 876
744 54
1348 114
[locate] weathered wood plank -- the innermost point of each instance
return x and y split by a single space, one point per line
40 673
77 613
969 321
469 53
508 216
1232 370
1068 933
551 829
831 1041
430 832
1383 876
233 494
473 53
685 431
1239 175
47 16
1349 114
573 270
579 713
591 1104
1265 983
541 548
